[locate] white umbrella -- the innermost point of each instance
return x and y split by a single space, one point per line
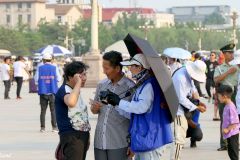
118 46
54 49
177 53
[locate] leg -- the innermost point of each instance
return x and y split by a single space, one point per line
117 154
100 154
6 89
180 130
197 85
233 147
52 110
208 87
44 104
19 81
223 143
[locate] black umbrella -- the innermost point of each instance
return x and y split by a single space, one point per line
137 45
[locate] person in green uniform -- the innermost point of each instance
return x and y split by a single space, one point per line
225 74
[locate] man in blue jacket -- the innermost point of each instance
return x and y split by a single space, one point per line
47 78
150 129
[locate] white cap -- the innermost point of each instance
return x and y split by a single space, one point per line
197 70
47 56
236 59
139 59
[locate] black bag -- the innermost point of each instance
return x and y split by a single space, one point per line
59 152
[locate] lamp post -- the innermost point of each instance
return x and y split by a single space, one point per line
234 17
146 28
200 29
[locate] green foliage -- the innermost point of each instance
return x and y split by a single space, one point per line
23 41
214 18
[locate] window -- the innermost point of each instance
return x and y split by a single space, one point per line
20 18
29 5
8 19
19 5
59 19
8 6
29 17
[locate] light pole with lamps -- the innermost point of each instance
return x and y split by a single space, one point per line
146 28
234 17
200 29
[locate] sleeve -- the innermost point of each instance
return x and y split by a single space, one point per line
233 116
143 104
59 77
217 71
36 76
182 95
96 97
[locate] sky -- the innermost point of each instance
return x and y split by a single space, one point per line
162 5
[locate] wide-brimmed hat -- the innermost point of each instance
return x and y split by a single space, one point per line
236 59
228 48
197 70
138 59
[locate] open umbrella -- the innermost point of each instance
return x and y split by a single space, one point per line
137 45
120 47
54 49
178 53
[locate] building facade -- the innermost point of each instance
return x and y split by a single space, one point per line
199 13
30 12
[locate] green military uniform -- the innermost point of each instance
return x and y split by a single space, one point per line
231 80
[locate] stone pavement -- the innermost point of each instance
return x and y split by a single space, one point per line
20 138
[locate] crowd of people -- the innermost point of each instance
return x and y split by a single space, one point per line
134 119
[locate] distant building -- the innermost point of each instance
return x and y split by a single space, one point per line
197 14
66 14
14 12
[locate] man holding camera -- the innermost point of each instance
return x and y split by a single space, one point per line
111 132
184 86
150 129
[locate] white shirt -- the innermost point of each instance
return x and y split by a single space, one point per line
174 66
19 68
144 103
238 95
5 69
184 86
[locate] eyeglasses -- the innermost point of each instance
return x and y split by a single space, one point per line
212 55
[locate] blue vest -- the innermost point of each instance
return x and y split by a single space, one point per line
152 129
47 80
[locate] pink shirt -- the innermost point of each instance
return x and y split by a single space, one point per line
230 116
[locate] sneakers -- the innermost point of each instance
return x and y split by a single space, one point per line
42 130
19 97
55 130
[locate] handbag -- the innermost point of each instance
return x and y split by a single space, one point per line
59 152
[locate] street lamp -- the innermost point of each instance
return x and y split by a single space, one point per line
200 30
146 27
234 17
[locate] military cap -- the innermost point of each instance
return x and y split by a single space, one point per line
228 48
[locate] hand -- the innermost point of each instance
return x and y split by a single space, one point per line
130 153
95 106
77 78
113 99
201 108
232 70
225 130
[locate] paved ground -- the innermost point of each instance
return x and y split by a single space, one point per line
20 138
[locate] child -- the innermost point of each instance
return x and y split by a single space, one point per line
230 125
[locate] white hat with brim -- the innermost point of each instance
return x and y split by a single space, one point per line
138 59
47 56
236 59
197 70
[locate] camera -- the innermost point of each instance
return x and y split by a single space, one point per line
103 96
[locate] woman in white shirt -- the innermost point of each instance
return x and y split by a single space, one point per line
6 76
19 68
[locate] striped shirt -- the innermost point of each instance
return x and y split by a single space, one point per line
112 126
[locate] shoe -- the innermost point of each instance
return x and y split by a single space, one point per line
19 97
7 98
222 149
55 130
216 119
193 144
42 130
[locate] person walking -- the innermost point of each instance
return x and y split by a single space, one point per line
225 74
110 141
230 125
47 78
5 71
210 85
19 67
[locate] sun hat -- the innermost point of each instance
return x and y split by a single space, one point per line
197 70
138 59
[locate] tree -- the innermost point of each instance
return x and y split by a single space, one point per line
214 18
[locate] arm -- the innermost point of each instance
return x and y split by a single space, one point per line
220 77
71 99
143 104
95 105
229 128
